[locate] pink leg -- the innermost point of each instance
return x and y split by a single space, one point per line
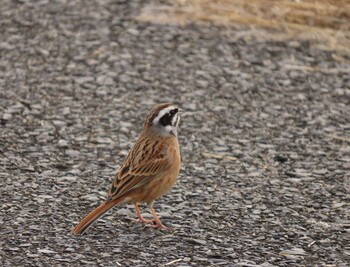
158 223
139 215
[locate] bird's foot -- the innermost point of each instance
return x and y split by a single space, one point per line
159 225
145 221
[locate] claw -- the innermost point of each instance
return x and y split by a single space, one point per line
140 219
156 223
145 221
159 225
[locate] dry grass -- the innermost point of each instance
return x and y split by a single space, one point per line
322 20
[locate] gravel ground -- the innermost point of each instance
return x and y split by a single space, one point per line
265 144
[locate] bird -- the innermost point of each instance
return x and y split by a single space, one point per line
148 172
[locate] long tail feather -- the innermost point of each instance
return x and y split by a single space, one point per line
93 216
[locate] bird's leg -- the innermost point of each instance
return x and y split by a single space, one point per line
141 219
157 223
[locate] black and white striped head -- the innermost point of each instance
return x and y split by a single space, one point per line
164 119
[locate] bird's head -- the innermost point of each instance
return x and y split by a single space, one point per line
163 119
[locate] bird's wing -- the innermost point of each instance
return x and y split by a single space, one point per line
132 176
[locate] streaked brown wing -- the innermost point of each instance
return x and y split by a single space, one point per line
131 177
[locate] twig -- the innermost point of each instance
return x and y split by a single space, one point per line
217 156
172 262
338 137
303 68
315 69
309 245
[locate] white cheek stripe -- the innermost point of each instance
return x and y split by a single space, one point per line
161 114
178 120
173 121
168 128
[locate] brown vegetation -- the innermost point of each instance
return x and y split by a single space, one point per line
322 20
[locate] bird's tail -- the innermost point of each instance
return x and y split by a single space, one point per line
93 216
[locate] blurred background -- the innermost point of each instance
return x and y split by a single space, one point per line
325 22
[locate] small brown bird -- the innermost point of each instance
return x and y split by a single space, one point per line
150 169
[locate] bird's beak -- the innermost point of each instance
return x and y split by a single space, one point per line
181 111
